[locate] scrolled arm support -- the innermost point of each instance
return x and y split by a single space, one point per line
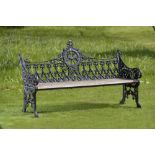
30 80
126 72
130 73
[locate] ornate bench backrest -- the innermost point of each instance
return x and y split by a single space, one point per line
72 65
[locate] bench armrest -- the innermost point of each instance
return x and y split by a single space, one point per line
126 72
130 73
30 80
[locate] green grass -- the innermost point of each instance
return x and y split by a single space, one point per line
84 107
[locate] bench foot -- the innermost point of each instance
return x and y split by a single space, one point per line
24 109
122 101
36 114
139 105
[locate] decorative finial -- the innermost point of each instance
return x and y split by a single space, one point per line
69 43
118 53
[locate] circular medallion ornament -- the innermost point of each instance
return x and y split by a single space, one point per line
72 57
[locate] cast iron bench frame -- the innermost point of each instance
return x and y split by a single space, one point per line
72 69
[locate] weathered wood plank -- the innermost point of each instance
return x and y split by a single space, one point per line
89 83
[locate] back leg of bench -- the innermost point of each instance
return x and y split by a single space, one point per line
25 102
123 94
137 96
33 103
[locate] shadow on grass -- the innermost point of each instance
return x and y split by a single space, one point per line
1 127
11 27
80 106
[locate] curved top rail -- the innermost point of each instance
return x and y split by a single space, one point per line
72 57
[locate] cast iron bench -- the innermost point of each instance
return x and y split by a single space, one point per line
72 69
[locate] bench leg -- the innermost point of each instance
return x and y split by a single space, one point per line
33 104
123 94
30 97
137 96
25 102
131 89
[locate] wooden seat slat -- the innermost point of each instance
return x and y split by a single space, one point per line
88 83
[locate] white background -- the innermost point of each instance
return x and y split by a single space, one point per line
77 142
77 13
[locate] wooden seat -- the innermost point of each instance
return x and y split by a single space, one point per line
89 83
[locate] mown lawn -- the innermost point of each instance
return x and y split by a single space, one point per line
84 107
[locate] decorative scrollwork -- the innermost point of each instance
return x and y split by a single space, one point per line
71 56
126 72
72 65
131 89
131 73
